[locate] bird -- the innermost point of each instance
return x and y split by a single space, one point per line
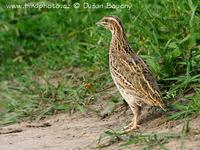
131 75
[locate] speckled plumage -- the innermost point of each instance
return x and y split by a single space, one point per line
129 72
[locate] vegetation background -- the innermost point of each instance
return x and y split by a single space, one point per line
55 60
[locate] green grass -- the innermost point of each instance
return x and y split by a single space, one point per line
66 46
146 141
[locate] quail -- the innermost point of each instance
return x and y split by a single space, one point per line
130 73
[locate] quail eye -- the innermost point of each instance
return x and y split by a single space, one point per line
106 20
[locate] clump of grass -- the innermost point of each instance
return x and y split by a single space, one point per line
186 109
47 95
146 141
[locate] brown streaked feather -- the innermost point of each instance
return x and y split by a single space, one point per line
148 82
138 78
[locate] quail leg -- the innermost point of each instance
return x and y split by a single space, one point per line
134 124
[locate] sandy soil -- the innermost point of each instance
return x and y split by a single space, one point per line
81 132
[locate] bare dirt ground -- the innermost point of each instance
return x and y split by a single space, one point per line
81 132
